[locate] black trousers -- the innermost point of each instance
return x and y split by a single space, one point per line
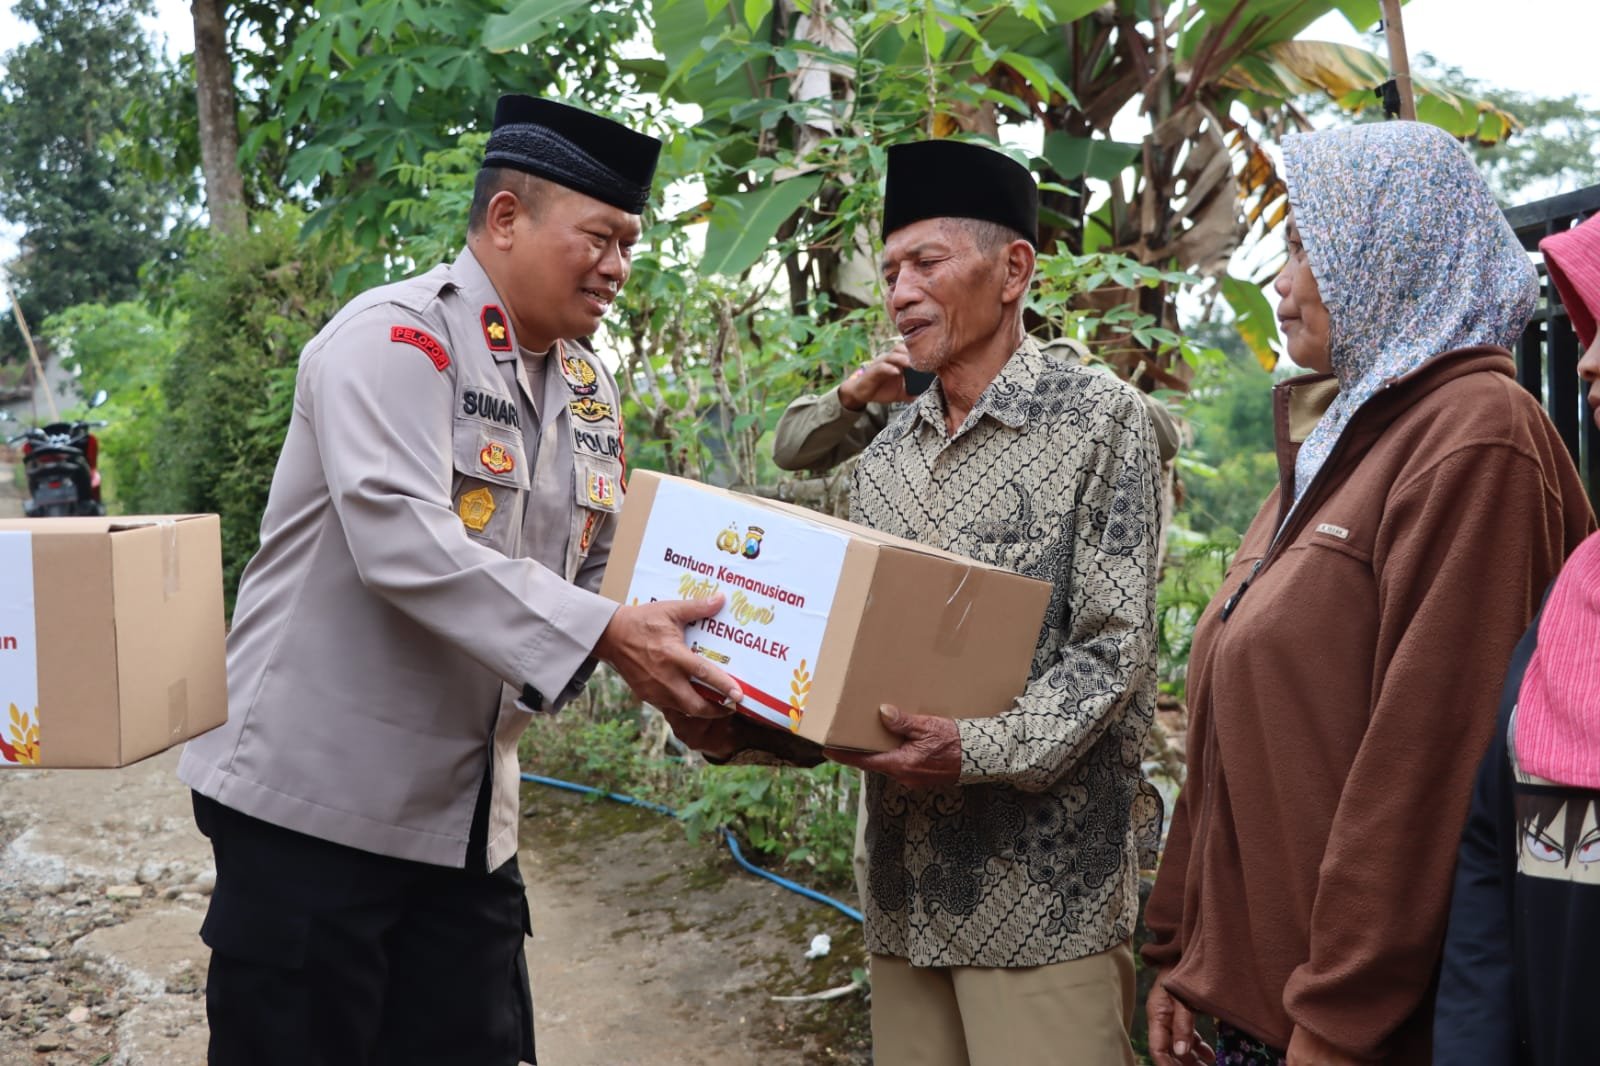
323 955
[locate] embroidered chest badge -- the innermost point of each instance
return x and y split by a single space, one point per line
424 342
496 459
600 491
476 508
581 378
590 409
496 333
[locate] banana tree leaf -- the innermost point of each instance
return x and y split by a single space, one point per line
1349 74
1266 22
1088 157
1362 15
743 224
1253 318
526 22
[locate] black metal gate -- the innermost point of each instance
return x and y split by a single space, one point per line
1547 356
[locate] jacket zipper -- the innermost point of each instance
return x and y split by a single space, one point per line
1295 512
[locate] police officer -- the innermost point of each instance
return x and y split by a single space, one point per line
438 522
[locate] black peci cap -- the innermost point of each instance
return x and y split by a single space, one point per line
954 179
575 148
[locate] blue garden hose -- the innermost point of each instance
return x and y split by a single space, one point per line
727 835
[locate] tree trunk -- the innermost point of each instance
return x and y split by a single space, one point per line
219 123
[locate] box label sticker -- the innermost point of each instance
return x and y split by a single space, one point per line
19 654
779 574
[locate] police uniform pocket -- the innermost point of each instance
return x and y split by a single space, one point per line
490 472
599 484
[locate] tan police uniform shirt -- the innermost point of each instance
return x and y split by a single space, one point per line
437 526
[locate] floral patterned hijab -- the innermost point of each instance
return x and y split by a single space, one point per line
1411 254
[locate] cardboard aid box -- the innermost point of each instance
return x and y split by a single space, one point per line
825 621
111 637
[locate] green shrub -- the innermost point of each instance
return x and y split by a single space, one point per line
126 349
250 305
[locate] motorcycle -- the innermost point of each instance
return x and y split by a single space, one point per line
61 460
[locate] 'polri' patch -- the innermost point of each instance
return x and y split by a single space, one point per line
425 341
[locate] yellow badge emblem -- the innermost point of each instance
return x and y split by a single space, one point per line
590 409
581 378
476 508
496 459
600 492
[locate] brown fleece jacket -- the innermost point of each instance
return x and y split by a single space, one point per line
1339 710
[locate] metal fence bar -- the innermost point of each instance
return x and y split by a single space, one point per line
1547 355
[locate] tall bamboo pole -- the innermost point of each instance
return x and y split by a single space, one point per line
1399 62
33 352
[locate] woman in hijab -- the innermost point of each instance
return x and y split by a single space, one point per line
1342 683
1519 979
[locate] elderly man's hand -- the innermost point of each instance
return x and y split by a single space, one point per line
929 754
716 737
880 381
644 643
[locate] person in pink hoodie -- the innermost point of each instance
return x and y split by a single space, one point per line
1518 978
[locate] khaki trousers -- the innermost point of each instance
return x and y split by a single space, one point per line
1076 1013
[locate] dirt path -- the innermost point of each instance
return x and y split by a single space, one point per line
647 950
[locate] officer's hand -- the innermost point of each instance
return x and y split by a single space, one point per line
880 381
929 754
644 643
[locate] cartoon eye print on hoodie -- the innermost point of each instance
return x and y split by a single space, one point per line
1541 846
1588 848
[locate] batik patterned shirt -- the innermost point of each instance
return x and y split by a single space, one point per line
1033 857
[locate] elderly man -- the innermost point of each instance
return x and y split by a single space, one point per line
1003 852
437 527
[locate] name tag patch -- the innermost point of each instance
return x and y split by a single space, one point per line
476 403
423 341
1333 531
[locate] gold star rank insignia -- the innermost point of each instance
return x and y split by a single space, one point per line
496 333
